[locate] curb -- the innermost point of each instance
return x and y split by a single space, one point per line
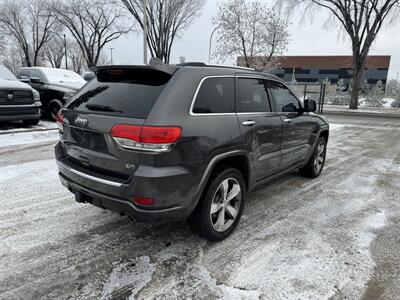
362 114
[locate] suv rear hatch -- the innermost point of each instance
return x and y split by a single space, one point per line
118 98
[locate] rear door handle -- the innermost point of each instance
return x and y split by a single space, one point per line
288 120
248 123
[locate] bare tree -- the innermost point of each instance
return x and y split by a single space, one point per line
29 23
3 44
374 97
12 57
362 21
53 52
75 56
93 24
167 19
392 88
250 30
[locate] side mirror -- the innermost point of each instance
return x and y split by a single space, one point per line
36 80
24 79
310 105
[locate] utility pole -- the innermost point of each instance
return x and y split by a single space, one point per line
111 50
145 32
65 52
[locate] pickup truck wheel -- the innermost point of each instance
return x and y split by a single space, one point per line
317 161
221 206
53 108
31 122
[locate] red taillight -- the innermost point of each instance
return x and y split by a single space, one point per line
149 138
143 200
160 135
131 132
60 120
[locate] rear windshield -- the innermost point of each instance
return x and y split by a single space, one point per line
125 93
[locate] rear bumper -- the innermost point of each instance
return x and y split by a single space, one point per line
174 189
122 206
20 112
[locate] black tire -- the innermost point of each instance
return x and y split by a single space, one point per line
53 108
202 220
310 169
31 122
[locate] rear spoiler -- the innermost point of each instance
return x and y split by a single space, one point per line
167 69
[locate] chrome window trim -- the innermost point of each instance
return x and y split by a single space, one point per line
191 113
197 92
87 176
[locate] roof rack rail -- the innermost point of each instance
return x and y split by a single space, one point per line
202 64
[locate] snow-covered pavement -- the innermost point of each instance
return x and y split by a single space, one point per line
334 237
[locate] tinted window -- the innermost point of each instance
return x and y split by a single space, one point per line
252 96
285 100
23 72
37 74
125 93
216 95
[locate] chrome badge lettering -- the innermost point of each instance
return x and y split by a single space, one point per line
81 121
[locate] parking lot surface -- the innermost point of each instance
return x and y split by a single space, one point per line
334 237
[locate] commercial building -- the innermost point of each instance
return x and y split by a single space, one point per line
311 69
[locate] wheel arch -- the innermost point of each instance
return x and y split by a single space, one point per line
236 159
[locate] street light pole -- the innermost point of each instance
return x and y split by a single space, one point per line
111 50
209 47
145 31
65 52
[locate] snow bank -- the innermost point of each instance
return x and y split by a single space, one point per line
26 138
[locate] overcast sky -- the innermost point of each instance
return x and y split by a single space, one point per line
307 38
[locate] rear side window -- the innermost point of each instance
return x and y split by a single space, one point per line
252 96
125 93
216 96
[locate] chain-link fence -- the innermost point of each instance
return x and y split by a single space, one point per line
312 91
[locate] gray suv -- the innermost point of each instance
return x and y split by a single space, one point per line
165 143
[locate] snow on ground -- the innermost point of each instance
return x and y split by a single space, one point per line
28 138
132 275
298 238
13 127
388 102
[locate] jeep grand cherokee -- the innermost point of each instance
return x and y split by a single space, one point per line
163 143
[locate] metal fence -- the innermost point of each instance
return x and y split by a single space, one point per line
312 91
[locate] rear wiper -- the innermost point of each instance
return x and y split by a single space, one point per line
101 107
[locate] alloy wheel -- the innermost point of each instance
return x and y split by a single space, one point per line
225 205
320 157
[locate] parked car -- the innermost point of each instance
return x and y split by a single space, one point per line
18 101
163 143
56 86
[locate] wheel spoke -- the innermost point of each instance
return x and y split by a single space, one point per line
320 160
235 190
320 149
224 189
216 207
221 220
231 211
